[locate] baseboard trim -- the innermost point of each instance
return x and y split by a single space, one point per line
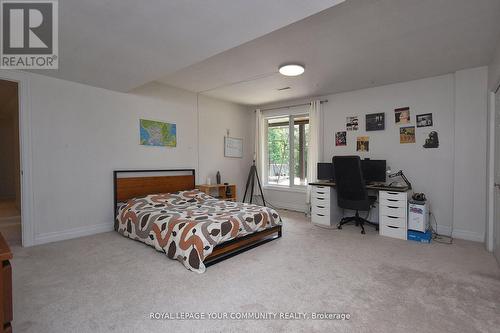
288 206
56 236
461 234
468 235
282 205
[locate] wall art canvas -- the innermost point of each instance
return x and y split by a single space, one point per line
407 134
375 122
402 115
424 120
341 139
352 123
157 133
363 143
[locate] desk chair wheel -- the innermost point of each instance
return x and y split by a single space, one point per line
339 226
363 232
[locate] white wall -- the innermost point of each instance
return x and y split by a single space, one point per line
471 114
429 170
447 174
494 71
80 134
216 117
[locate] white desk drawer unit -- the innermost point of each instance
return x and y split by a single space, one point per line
321 202
393 214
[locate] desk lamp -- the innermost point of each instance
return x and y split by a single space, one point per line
399 174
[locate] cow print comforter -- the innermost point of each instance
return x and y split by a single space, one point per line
187 225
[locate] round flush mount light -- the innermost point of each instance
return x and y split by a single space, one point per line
291 69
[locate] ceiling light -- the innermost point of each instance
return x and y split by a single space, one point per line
291 69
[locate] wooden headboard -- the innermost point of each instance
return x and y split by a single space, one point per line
140 183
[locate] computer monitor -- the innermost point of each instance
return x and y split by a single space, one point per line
325 171
374 170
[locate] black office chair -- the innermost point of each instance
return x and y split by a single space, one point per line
351 190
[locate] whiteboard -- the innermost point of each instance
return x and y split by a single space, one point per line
233 147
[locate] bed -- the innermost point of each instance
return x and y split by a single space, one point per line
163 209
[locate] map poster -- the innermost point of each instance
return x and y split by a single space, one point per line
156 133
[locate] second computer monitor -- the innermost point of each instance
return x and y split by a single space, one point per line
374 170
325 171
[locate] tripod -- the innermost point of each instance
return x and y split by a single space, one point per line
251 182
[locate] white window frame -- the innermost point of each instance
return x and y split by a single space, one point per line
291 187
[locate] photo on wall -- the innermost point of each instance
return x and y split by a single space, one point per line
402 115
407 134
424 120
432 141
375 122
341 139
352 123
363 143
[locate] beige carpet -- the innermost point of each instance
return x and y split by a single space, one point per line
107 283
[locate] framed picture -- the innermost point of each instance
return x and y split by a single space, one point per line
375 122
341 139
407 134
402 115
424 120
363 143
233 147
157 133
351 123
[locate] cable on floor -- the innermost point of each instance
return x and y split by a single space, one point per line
437 237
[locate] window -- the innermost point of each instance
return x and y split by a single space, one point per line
286 153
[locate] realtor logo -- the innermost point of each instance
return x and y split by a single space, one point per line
29 37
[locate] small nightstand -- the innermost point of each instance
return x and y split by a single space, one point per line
219 191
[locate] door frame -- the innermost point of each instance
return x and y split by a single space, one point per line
25 153
490 187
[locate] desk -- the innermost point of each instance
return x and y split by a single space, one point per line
391 211
375 187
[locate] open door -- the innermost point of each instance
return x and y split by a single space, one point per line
10 185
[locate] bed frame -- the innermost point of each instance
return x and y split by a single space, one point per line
140 184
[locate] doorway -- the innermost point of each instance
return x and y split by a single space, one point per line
10 182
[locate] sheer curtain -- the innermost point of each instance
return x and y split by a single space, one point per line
313 149
258 146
